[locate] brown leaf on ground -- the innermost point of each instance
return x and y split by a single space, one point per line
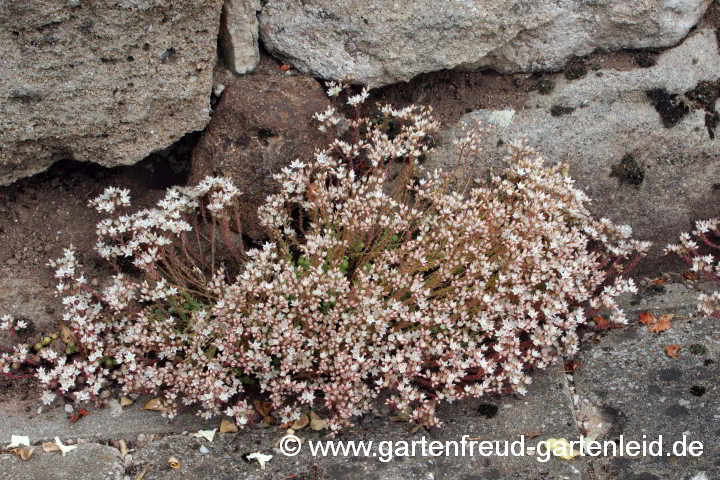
663 323
174 462
154 404
601 323
227 426
317 423
646 318
77 415
23 452
673 351
50 447
301 422
571 366
658 281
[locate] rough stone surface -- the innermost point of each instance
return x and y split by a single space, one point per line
636 170
88 462
641 391
102 81
102 423
544 412
261 124
376 42
239 35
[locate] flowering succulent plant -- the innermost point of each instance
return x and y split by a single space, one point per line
705 236
422 293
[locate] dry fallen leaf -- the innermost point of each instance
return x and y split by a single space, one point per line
601 323
572 365
122 446
64 448
317 423
673 351
50 447
663 323
67 334
154 404
560 447
658 281
19 441
174 462
227 426
301 422
284 67
646 318
125 401
23 452
206 434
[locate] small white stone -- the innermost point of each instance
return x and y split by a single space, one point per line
204 450
68 408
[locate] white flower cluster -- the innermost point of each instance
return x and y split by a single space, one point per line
707 233
433 295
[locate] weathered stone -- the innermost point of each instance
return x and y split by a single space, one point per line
90 461
545 412
261 124
101 81
239 35
642 394
20 417
638 167
376 42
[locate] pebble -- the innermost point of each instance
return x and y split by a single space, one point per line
68 408
204 450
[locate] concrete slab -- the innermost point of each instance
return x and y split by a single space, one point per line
90 461
101 424
639 390
544 412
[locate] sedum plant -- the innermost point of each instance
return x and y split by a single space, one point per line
705 236
429 291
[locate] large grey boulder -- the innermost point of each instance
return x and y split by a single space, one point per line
103 81
376 42
639 142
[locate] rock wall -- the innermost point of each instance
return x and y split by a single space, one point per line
376 42
641 142
102 81
239 35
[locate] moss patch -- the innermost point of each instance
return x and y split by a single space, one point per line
546 86
559 110
645 59
669 105
628 170
704 96
576 68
